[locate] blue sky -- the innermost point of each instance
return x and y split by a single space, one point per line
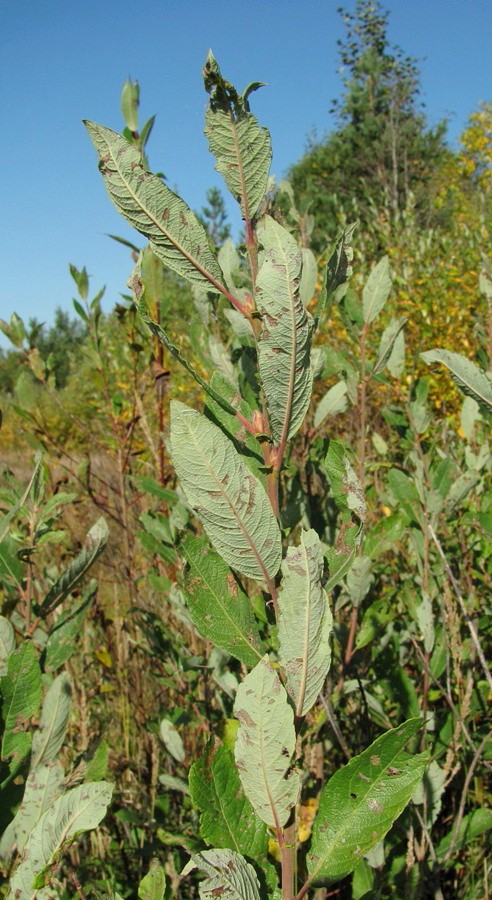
62 62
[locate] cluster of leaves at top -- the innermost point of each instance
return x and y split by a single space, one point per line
229 462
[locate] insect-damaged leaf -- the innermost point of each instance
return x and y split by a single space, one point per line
175 234
305 622
229 876
76 811
229 501
361 801
469 378
284 345
338 271
97 538
227 817
219 608
265 744
21 696
44 784
240 145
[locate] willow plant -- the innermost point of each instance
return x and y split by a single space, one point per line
230 461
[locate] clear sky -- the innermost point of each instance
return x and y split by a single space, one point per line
63 61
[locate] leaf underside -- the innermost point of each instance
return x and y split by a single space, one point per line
243 152
284 345
465 375
175 234
305 622
229 501
265 744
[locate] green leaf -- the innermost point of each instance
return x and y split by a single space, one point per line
153 886
265 744
227 817
44 784
49 738
309 276
338 271
175 234
349 498
130 99
229 876
383 536
305 622
96 541
361 801
391 349
333 402
7 644
219 608
21 692
231 504
11 568
359 579
469 378
171 739
471 827
240 145
76 811
376 290
64 634
284 345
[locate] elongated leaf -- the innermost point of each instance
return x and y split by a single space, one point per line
11 568
334 401
376 290
388 346
349 498
338 271
231 504
76 811
44 784
96 541
227 817
21 692
49 738
229 876
309 276
7 644
175 234
219 608
172 740
153 886
305 622
284 346
361 801
64 634
465 374
265 744
471 827
240 145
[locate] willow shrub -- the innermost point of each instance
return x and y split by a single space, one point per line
258 577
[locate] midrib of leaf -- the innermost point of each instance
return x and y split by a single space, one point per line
49 732
302 691
239 521
235 137
194 262
226 614
348 820
292 372
264 771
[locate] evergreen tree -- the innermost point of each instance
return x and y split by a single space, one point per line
214 217
382 154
